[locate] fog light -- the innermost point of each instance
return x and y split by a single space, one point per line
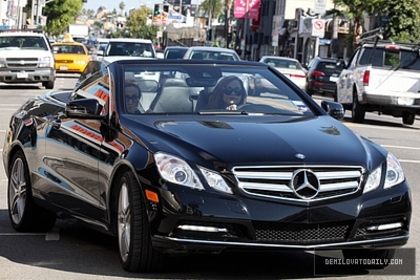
384 227
202 228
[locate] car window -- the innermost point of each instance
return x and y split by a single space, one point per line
186 89
390 58
69 49
213 55
175 53
283 63
23 42
130 49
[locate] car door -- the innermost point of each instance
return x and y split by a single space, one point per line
345 81
73 151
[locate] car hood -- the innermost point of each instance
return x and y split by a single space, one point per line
318 140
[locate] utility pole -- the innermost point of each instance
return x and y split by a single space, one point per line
334 37
245 29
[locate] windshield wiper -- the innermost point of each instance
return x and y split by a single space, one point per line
222 112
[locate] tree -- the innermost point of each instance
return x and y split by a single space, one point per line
355 10
403 20
122 6
212 8
60 14
136 24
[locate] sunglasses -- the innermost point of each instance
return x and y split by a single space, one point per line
133 98
236 91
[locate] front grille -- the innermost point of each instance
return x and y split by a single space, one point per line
22 62
300 234
284 182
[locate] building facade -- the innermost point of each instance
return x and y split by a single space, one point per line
285 28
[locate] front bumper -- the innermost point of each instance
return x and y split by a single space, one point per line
37 75
196 221
69 68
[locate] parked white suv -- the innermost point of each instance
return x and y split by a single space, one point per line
382 76
26 57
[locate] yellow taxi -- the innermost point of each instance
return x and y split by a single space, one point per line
70 56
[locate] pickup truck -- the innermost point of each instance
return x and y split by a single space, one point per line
381 76
26 58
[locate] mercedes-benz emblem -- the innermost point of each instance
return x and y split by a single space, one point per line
305 184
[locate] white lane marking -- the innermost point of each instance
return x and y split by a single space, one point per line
409 160
400 147
53 235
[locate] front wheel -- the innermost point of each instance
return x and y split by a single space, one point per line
134 240
24 214
48 85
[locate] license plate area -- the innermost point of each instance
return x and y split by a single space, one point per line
22 75
63 67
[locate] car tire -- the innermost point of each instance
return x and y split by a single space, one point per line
48 85
24 214
357 110
382 257
134 239
408 118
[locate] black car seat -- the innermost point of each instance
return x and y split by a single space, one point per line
173 96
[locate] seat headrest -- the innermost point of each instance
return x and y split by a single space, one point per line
173 82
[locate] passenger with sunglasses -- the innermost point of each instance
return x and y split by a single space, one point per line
132 98
228 94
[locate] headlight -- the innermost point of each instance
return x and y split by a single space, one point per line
45 62
373 180
215 180
177 171
2 62
394 175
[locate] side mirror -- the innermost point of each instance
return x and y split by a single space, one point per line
100 53
333 109
341 64
89 108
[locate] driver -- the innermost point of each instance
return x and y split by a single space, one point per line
228 94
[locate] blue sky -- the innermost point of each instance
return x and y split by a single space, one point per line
111 4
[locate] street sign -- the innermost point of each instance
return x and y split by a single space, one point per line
275 40
318 28
320 6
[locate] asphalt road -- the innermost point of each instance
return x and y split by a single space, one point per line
72 252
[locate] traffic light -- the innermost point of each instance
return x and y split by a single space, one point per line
166 8
157 9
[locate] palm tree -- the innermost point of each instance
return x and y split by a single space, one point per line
122 7
228 7
212 8
355 10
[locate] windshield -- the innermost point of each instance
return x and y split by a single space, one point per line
283 63
69 49
209 89
391 58
23 42
214 55
129 49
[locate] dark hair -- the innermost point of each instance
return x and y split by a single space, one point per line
127 85
216 97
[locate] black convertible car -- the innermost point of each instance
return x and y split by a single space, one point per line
177 175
